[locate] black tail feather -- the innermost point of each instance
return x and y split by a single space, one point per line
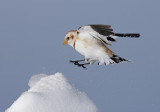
118 59
136 35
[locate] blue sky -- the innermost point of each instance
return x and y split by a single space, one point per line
31 42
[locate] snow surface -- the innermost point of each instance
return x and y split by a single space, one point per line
52 94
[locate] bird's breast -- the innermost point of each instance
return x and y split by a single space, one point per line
81 46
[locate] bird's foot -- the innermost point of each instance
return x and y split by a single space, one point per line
78 64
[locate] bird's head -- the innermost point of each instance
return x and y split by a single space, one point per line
70 37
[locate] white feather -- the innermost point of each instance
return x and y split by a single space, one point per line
94 34
92 51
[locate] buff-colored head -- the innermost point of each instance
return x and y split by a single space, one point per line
70 37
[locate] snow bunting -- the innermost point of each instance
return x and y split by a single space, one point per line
90 42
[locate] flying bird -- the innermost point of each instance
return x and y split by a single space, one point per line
91 41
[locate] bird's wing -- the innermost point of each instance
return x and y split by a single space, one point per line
102 32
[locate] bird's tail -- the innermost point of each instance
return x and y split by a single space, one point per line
111 59
118 59
135 35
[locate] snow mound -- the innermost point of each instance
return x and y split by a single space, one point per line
35 78
52 94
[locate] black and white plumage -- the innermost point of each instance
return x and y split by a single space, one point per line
104 33
90 41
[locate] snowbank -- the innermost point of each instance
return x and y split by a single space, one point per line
52 94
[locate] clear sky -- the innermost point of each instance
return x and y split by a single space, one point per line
31 42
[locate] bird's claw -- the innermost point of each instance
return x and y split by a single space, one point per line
78 64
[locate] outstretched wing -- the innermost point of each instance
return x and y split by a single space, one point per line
102 32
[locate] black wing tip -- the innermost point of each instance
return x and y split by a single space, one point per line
136 35
111 39
102 29
100 25
118 59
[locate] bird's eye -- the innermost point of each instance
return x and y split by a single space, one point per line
67 38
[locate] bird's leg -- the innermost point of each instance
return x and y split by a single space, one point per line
78 64
83 65
77 61
92 61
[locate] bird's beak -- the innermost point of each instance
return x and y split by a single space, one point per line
65 42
